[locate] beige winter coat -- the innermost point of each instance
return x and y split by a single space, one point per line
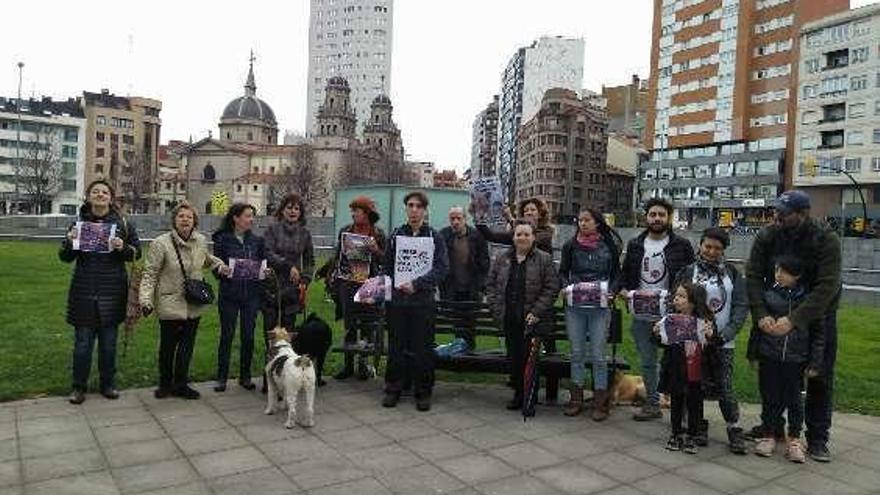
162 283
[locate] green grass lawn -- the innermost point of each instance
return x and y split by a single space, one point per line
36 343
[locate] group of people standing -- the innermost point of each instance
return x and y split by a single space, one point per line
791 288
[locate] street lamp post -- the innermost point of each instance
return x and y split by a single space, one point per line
858 186
18 140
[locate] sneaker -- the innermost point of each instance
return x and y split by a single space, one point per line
689 446
162 392
77 396
794 451
819 452
391 399
186 392
765 447
674 443
110 393
648 412
423 404
737 444
702 436
759 431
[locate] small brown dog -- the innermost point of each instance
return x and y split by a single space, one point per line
628 389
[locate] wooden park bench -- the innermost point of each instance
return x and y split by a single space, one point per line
476 318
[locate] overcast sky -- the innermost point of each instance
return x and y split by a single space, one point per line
446 63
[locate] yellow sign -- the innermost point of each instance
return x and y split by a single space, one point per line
219 203
811 166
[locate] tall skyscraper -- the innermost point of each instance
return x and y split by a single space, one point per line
351 39
484 144
549 62
722 103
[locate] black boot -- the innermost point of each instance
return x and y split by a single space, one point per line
702 436
737 441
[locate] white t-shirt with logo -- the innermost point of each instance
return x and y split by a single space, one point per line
719 292
654 273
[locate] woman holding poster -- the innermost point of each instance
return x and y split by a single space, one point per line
175 256
240 292
590 264
533 211
521 289
360 247
100 242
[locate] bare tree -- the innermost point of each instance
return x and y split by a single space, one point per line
305 178
376 166
138 180
40 169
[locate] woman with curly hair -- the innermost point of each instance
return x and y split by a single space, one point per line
532 210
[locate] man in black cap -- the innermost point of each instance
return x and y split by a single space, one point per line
795 233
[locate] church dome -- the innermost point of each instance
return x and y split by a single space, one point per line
382 100
249 107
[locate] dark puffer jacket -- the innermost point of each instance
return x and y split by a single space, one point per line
678 253
803 344
226 247
99 288
541 284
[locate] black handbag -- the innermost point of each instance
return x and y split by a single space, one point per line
194 291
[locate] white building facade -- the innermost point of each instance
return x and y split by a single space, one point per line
549 62
59 127
838 124
351 39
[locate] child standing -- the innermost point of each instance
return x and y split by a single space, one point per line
681 368
783 361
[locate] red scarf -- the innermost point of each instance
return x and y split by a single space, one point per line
589 241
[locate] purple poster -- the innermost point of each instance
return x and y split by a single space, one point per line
246 269
678 328
647 304
92 237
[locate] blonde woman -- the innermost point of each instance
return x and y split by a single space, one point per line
162 290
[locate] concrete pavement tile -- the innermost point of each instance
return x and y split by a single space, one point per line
291 450
99 483
622 490
57 466
183 425
372 414
853 474
193 488
57 443
719 477
425 478
8 450
406 430
167 409
317 472
438 447
116 435
269 481
52 424
355 439
7 431
383 459
770 489
209 441
225 402
249 416
145 452
226 462
126 400
809 482
656 454
671 483
47 407
759 467
118 417
453 421
862 423
863 457
574 477
526 456
264 433
571 446
517 485
365 486
620 466
487 437
147 477
476 468
12 490
331 422
10 473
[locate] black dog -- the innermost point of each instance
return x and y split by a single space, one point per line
313 339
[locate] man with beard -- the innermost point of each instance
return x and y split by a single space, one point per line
652 260
726 295
795 233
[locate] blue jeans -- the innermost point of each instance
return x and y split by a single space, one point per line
642 331
84 342
588 325
229 314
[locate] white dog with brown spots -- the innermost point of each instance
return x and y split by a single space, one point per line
288 374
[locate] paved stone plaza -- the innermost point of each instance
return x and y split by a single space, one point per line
467 444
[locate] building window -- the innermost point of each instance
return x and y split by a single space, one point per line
99 152
858 55
856 138
768 167
745 168
256 188
856 110
100 135
875 166
127 139
858 83
238 188
853 164
724 170
99 169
